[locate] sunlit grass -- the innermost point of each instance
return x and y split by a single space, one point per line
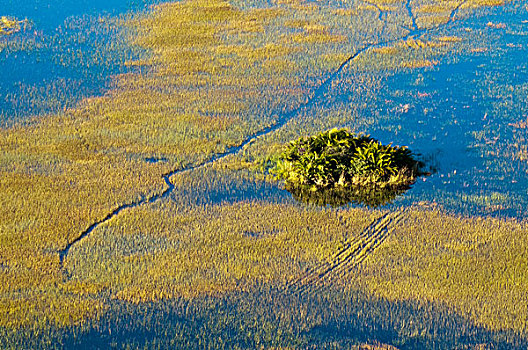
64 172
171 251
476 266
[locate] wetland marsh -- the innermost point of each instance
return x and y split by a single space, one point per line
136 210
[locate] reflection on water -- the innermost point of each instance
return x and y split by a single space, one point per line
371 197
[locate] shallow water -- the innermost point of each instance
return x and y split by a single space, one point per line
439 112
67 55
448 106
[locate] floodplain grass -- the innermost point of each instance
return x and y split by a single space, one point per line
452 249
63 173
8 27
474 268
267 318
217 248
508 143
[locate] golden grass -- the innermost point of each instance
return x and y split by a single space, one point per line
41 310
412 53
449 39
386 50
433 8
386 2
10 25
10 43
419 64
60 174
215 74
432 21
211 249
478 267
481 3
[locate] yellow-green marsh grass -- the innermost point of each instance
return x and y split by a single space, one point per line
215 75
10 25
480 3
408 54
170 250
478 267
8 41
450 39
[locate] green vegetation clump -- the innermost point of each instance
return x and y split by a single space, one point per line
338 158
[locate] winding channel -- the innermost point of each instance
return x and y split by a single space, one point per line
283 119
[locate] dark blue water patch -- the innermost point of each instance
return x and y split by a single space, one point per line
155 159
38 82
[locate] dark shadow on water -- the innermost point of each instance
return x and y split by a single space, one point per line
218 186
267 317
371 197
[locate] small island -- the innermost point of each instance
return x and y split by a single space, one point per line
358 168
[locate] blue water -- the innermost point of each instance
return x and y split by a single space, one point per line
468 178
51 75
47 15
